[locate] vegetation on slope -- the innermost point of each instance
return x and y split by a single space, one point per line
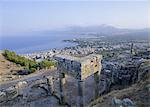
28 64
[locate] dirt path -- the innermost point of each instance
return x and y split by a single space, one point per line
34 76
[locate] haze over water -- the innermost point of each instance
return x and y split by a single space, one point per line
37 42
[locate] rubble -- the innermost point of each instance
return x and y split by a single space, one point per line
2 96
126 102
21 85
116 101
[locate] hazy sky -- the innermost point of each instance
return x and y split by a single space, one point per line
34 15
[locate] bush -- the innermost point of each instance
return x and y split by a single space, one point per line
30 65
12 56
32 70
46 64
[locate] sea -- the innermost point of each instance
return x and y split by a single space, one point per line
34 42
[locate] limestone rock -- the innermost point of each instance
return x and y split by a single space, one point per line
2 96
21 85
116 101
127 102
10 89
36 93
11 92
148 87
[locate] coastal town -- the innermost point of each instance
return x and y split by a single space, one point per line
110 49
74 53
119 67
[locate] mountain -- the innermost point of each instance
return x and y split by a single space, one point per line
106 30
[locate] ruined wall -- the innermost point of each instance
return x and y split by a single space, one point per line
69 67
79 68
91 66
25 91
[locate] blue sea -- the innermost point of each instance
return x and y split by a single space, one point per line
39 41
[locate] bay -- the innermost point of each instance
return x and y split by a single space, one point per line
34 42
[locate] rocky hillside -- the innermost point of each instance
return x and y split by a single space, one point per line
7 69
137 93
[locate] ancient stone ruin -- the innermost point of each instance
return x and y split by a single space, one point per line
80 69
53 87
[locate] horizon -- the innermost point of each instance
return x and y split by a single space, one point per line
54 15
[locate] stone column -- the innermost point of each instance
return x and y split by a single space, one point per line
49 87
80 102
50 84
96 84
61 89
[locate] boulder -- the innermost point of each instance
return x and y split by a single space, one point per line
2 96
148 87
22 88
11 93
21 84
116 101
127 102
23 72
10 89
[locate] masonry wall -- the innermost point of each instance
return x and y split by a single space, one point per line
69 67
90 67
80 69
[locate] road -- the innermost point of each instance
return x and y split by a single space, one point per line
30 77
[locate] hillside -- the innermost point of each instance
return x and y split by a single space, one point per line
7 69
13 66
138 93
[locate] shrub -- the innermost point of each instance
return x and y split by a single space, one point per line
30 65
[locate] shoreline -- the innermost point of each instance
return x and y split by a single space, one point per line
20 52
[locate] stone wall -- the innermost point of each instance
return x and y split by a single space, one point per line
79 68
27 91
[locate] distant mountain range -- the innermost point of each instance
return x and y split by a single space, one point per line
101 30
106 30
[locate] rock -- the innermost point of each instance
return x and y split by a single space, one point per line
36 93
2 93
22 88
116 101
127 102
148 87
2 96
23 72
21 85
10 89
11 93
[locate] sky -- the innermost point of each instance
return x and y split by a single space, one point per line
18 16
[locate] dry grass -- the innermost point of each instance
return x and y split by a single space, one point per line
138 93
6 67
